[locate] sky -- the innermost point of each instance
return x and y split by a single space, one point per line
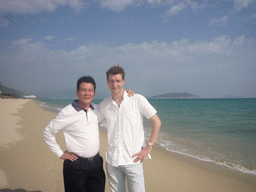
203 47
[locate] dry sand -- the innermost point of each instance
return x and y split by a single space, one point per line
27 164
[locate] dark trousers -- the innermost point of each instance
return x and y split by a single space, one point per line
84 175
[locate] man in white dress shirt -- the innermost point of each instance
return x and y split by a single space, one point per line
83 166
127 147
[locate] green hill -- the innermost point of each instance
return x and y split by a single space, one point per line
175 96
10 92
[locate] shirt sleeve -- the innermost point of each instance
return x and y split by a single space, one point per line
55 125
146 109
100 116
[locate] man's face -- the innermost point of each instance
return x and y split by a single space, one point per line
85 93
115 84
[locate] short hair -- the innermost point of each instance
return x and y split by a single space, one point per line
85 79
116 69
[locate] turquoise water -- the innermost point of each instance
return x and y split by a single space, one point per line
222 131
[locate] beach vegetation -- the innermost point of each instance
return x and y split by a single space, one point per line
6 92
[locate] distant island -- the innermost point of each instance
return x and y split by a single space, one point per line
175 96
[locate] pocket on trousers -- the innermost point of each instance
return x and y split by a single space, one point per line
98 163
68 165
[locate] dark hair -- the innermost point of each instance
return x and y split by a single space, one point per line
85 79
116 69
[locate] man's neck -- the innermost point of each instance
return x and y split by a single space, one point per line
118 98
83 106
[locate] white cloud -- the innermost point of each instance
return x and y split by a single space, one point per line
22 41
240 41
70 39
221 45
176 8
144 53
239 4
120 5
183 59
160 2
48 38
117 5
195 5
36 6
221 22
31 52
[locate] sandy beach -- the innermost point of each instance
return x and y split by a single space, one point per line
28 165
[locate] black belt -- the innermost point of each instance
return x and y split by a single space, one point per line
89 159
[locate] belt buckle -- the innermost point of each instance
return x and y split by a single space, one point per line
90 159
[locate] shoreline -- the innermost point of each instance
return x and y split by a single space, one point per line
220 169
166 171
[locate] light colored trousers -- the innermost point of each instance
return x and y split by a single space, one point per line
132 173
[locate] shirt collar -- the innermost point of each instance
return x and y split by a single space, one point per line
125 96
78 108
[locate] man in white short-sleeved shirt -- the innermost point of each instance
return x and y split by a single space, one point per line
126 140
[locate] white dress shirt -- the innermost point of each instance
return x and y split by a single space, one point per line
125 127
80 130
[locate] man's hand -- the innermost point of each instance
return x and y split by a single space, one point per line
156 124
142 154
69 155
130 92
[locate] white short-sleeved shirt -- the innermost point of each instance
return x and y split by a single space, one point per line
80 130
125 127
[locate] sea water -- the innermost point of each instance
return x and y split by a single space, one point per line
222 131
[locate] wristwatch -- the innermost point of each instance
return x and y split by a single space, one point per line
150 144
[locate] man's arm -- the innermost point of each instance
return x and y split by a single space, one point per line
156 124
49 132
